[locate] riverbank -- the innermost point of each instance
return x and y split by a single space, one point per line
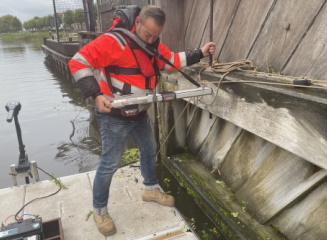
32 36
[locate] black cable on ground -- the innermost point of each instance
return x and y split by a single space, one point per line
18 219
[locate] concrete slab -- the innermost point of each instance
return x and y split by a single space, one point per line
11 200
134 219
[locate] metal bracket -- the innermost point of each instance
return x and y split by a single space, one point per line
33 172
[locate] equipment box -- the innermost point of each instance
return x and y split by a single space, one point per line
52 229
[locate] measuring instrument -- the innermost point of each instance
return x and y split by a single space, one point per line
126 100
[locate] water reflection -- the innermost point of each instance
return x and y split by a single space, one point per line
10 50
83 148
58 131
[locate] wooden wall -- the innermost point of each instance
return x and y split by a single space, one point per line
265 142
288 35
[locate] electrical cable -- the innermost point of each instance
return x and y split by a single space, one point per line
17 219
26 214
8 218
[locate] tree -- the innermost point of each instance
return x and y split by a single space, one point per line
79 16
68 17
9 23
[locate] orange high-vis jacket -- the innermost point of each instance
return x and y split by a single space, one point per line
89 65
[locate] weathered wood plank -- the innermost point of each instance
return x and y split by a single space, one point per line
222 15
293 121
174 25
244 158
218 143
307 220
247 23
196 25
267 194
283 31
169 114
311 56
188 6
199 129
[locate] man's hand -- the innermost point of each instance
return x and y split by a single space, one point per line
103 104
208 49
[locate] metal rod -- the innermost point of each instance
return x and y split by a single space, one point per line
122 101
20 140
86 15
56 19
91 15
211 29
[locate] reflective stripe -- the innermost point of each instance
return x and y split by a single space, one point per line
182 57
98 74
118 84
172 59
85 72
121 41
103 76
79 58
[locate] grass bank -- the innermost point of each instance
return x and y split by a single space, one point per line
30 36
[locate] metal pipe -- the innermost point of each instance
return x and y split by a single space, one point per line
211 29
56 19
86 15
91 15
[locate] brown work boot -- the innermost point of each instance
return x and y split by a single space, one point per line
157 196
105 224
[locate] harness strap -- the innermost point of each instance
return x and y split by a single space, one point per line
121 70
152 52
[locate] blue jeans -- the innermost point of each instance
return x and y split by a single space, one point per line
114 133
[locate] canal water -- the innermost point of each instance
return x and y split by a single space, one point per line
57 128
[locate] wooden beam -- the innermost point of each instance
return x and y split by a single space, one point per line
292 119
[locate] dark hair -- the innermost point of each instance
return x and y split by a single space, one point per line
154 12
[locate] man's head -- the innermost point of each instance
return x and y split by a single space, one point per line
149 24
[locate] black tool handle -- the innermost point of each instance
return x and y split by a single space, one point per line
300 81
13 108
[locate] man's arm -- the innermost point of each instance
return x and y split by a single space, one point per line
94 55
187 58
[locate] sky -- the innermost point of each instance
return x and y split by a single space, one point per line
27 9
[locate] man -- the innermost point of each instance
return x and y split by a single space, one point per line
122 68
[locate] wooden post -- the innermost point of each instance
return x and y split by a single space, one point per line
35 172
13 174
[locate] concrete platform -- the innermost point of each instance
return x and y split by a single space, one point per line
134 219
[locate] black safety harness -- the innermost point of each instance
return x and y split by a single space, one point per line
148 49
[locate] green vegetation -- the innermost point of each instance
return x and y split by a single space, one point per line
37 23
88 215
58 182
24 36
9 23
130 155
69 19
36 37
